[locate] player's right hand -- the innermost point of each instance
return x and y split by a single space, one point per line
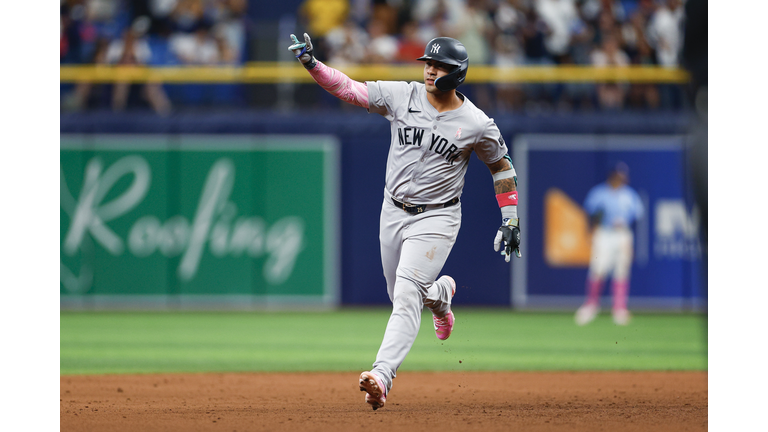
303 51
508 237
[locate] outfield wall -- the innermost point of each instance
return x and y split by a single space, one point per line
483 277
162 221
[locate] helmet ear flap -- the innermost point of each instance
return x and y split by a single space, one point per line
453 79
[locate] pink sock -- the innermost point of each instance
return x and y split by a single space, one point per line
620 294
594 286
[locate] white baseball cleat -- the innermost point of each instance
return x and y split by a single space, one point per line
586 314
376 391
621 317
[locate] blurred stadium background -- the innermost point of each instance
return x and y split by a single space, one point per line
188 131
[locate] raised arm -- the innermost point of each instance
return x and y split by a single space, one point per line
332 80
505 186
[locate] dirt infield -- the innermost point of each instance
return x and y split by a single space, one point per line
486 401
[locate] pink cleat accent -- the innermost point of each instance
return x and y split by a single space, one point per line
444 325
376 391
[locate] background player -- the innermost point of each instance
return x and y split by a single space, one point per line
612 206
434 130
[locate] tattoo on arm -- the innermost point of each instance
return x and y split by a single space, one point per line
504 185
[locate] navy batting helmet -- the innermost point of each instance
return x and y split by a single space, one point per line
451 52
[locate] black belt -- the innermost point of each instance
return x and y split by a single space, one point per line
414 209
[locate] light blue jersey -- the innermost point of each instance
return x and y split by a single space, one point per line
620 207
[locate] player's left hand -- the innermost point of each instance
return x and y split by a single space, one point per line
508 236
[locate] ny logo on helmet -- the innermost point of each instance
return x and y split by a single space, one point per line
435 48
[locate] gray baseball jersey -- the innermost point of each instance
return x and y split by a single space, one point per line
428 158
430 151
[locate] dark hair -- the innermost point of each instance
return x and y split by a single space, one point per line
619 167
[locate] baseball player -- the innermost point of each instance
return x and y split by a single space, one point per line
612 206
434 130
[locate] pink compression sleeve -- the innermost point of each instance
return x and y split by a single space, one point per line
340 85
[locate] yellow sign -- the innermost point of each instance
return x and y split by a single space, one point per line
567 240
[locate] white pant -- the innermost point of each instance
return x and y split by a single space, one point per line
414 248
611 253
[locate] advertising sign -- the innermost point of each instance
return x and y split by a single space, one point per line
556 172
198 221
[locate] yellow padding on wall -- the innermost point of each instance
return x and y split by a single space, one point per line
273 73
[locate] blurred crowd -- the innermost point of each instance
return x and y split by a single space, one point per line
495 32
154 32
506 32
513 33
148 32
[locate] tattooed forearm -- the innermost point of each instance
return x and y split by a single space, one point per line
499 166
504 185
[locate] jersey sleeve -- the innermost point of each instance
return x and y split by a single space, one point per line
592 202
491 147
385 96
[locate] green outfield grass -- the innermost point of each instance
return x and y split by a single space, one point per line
347 340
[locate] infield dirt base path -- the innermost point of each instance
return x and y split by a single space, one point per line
465 401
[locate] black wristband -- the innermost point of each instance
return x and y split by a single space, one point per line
310 64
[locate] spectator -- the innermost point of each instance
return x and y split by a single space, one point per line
634 36
187 15
229 28
534 31
646 8
449 12
133 49
475 29
324 15
382 47
591 10
200 47
559 16
582 41
227 55
610 95
346 44
63 37
80 97
83 23
606 25
579 95
387 14
410 46
642 96
665 32
438 25
508 53
159 12
321 17
509 17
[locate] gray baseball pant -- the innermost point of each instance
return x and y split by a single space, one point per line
414 248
